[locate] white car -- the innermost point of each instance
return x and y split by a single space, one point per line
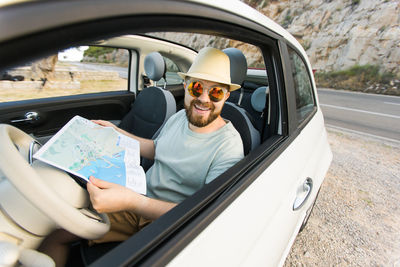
248 216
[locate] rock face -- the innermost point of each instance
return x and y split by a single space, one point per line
198 41
44 69
340 34
335 34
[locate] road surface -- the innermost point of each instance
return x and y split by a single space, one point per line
172 78
122 71
371 114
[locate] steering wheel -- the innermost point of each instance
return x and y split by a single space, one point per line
50 190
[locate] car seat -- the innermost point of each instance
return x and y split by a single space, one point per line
153 105
242 122
249 96
232 111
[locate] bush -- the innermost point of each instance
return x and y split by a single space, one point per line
364 73
366 78
97 51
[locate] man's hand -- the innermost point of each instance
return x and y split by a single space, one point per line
105 123
109 197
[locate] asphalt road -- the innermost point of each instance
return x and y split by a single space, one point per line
369 114
122 71
172 78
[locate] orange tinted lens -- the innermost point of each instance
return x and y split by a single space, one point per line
195 89
216 94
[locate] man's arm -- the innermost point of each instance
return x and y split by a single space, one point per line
147 149
110 197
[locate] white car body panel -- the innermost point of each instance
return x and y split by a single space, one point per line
255 233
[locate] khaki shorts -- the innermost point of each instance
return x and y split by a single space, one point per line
123 225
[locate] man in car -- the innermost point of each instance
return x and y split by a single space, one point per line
193 148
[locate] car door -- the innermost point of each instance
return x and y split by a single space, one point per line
50 95
262 221
259 204
301 168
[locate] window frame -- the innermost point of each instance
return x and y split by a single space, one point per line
297 90
296 125
83 94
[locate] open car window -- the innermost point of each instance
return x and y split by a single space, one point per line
171 74
77 70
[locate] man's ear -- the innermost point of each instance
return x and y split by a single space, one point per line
227 95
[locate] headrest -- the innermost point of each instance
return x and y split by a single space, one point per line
258 98
238 65
154 66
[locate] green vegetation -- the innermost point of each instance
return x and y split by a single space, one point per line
305 43
362 73
257 3
287 21
100 54
97 51
366 78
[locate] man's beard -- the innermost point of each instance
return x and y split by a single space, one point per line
199 121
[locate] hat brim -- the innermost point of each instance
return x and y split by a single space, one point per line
205 76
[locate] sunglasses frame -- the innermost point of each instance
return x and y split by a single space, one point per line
225 90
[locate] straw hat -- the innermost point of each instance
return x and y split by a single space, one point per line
213 65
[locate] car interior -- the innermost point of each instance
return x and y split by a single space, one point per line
154 105
248 108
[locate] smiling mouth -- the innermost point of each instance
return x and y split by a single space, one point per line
202 108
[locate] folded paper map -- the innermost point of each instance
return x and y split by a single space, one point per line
84 148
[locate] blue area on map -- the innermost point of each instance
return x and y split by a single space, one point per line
107 169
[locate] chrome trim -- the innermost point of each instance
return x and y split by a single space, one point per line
30 153
30 116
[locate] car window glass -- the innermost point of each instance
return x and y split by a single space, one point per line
78 70
197 41
303 86
171 74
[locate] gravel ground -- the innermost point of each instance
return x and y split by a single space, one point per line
356 219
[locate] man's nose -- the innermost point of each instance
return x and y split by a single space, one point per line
204 96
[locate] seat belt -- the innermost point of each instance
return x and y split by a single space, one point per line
240 96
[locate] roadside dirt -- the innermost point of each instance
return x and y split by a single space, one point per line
356 219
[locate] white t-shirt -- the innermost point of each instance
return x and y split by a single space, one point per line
185 161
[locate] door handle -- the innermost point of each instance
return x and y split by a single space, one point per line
303 193
29 117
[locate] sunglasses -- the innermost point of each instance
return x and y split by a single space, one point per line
216 93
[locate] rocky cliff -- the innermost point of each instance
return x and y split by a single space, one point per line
340 34
336 34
